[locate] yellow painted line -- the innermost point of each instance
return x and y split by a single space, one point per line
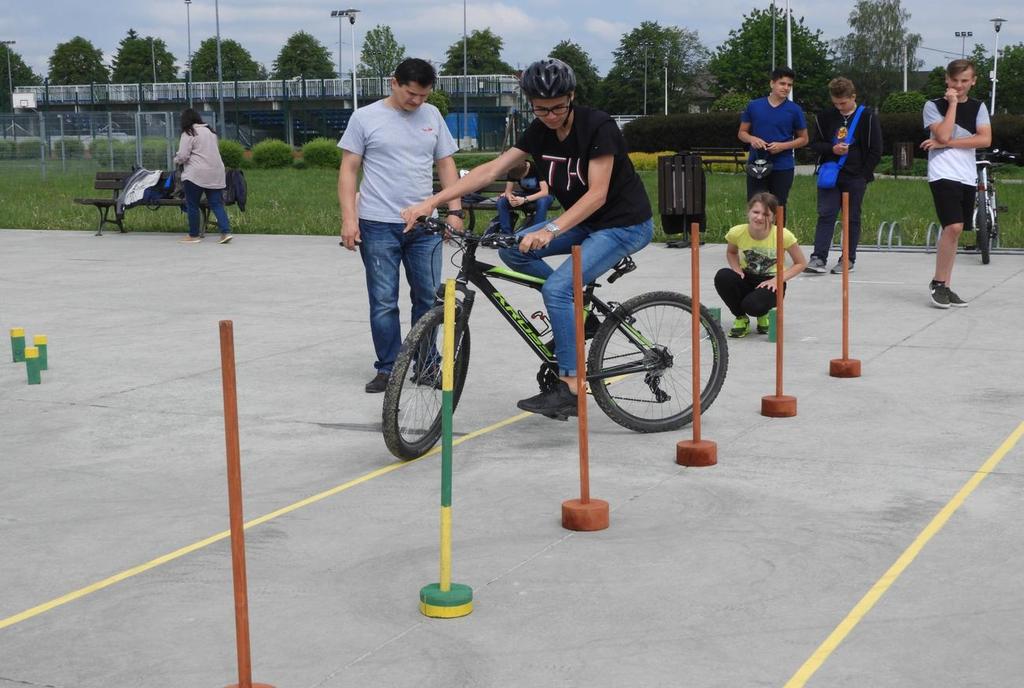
883 584
178 553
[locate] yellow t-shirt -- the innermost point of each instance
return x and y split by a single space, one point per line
758 255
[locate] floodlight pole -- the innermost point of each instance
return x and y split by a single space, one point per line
220 72
995 58
188 32
465 75
789 44
10 78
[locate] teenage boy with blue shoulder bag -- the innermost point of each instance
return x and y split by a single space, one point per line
848 141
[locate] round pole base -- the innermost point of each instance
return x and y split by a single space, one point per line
696 453
590 516
450 604
844 367
778 406
254 685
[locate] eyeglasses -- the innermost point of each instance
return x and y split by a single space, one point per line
556 110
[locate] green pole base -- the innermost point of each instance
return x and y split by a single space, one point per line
18 349
773 328
32 365
716 314
44 361
452 604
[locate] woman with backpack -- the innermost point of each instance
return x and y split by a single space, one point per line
202 173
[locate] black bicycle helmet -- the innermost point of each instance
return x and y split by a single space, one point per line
548 78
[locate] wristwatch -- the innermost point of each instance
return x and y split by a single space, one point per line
552 227
461 214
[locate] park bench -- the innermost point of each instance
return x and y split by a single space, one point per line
485 199
114 182
737 157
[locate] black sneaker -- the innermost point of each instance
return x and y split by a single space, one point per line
378 384
955 300
940 295
558 402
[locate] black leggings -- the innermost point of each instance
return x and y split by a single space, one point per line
741 294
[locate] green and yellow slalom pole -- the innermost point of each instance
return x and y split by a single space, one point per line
447 600
18 344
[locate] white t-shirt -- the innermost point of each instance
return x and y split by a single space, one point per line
399 149
957 164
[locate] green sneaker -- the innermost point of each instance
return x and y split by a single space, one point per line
763 322
740 327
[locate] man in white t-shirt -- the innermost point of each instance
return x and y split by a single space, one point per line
396 141
958 125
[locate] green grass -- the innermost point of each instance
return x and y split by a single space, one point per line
290 201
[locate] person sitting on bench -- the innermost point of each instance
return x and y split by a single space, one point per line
529 189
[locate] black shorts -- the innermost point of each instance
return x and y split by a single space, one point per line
954 202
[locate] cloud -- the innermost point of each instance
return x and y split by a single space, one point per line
606 30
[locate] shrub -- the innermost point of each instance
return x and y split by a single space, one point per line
271 153
467 161
73 148
26 149
6 149
299 164
682 131
321 152
231 152
439 99
647 161
911 101
730 102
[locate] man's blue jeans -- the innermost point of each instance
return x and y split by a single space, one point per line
384 247
215 197
601 249
505 212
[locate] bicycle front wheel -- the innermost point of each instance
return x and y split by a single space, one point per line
412 401
983 227
649 338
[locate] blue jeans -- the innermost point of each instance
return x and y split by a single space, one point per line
601 249
384 246
830 202
505 212
215 197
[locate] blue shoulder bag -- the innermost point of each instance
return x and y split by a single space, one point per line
828 173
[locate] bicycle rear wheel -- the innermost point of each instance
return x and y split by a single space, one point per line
655 329
412 401
983 226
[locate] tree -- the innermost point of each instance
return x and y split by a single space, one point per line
743 63
483 55
872 53
440 100
730 102
588 82
303 55
134 60
381 53
236 62
935 85
648 49
21 75
77 62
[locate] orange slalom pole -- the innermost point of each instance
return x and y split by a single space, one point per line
845 366
696 452
779 405
583 513
227 360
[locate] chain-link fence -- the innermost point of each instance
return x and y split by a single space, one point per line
62 141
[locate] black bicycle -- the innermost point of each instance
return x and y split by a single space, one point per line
639 368
987 208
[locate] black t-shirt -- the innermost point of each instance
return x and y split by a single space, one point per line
564 165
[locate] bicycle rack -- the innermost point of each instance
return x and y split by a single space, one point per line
932 227
893 232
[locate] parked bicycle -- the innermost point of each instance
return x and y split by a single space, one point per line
639 368
986 206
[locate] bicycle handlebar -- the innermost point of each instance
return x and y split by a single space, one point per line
435 225
999 155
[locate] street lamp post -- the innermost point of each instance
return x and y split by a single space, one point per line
646 51
998 23
10 79
188 60
220 72
465 74
340 16
666 83
963 36
152 55
350 14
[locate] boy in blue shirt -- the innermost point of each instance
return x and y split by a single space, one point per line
774 127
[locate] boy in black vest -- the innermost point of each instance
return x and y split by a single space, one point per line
958 125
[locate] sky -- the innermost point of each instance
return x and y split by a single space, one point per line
530 28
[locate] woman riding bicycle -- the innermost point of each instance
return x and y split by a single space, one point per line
582 155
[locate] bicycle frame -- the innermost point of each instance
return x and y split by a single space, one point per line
479 274
987 186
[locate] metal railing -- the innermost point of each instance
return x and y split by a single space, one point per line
273 89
